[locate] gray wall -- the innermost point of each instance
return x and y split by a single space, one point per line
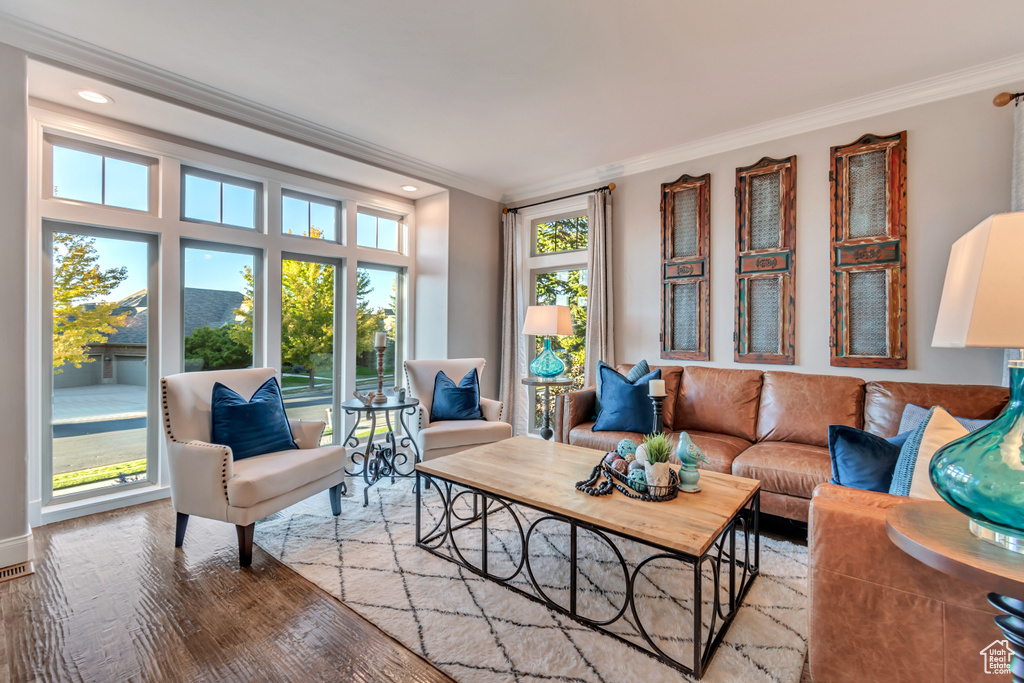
959 158
13 192
431 276
474 283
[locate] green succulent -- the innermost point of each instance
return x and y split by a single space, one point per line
659 448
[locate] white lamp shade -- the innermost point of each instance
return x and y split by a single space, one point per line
983 298
548 320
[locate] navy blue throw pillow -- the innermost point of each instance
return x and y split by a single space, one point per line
861 460
625 406
252 427
456 402
635 373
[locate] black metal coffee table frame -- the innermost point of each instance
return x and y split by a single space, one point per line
721 555
381 460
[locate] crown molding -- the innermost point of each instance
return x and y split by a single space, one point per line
118 69
989 75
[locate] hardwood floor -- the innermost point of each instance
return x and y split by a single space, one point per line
112 599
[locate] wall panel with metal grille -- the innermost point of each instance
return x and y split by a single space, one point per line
686 286
869 252
765 262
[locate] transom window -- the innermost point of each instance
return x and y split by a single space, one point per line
560 233
308 216
377 231
87 173
209 197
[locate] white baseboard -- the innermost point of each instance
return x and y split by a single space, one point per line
16 550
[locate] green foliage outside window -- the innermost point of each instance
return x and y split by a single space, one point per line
566 234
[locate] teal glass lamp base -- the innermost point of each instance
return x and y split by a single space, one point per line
982 474
547 364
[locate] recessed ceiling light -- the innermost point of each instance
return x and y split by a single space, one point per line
93 96
410 188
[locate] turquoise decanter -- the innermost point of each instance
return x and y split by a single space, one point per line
982 474
547 364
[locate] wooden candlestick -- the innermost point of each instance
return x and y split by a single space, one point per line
380 397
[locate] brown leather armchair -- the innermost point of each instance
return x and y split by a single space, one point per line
877 614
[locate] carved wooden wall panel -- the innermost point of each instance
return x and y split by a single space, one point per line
685 268
765 262
869 252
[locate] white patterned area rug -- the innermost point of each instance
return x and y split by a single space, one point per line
476 630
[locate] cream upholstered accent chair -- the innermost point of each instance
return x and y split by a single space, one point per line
205 479
450 436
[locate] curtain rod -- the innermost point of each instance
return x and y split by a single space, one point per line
610 187
1004 98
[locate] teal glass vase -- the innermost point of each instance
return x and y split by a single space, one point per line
547 364
982 474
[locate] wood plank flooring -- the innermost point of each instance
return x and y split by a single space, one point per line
112 599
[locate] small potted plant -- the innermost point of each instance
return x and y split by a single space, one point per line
656 450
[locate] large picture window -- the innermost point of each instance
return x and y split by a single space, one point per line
252 266
218 307
100 354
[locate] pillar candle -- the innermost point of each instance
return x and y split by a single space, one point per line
382 340
656 387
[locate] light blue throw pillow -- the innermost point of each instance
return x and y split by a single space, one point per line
635 373
903 475
914 415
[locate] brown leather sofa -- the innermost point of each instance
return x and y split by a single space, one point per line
773 426
875 613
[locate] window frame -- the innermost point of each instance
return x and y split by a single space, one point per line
336 204
386 215
153 294
258 293
103 150
552 219
259 197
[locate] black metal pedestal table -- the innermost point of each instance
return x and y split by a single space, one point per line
547 382
387 457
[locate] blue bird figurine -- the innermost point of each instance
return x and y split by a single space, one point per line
689 455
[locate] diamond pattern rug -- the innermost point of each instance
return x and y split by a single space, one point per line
476 630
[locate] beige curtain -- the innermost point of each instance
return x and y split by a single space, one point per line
599 338
1016 199
513 361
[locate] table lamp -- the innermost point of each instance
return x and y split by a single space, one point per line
544 321
982 474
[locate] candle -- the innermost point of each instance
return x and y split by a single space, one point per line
382 340
656 387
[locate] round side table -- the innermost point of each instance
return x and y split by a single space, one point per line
936 534
379 460
547 383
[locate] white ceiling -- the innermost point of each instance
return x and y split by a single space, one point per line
517 93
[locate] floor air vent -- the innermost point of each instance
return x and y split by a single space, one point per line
14 571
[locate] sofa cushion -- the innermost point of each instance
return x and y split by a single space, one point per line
250 427
453 401
799 408
632 374
910 477
625 405
263 477
456 433
884 402
790 468
673 375
718 400
914 415
861 460
720 449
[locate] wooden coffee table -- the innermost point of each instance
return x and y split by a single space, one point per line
714 531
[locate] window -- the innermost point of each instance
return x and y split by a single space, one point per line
380 293
87 173
562 288
377 231
214 198
101 353
560 234
557 275
307 340
309 216
218 307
